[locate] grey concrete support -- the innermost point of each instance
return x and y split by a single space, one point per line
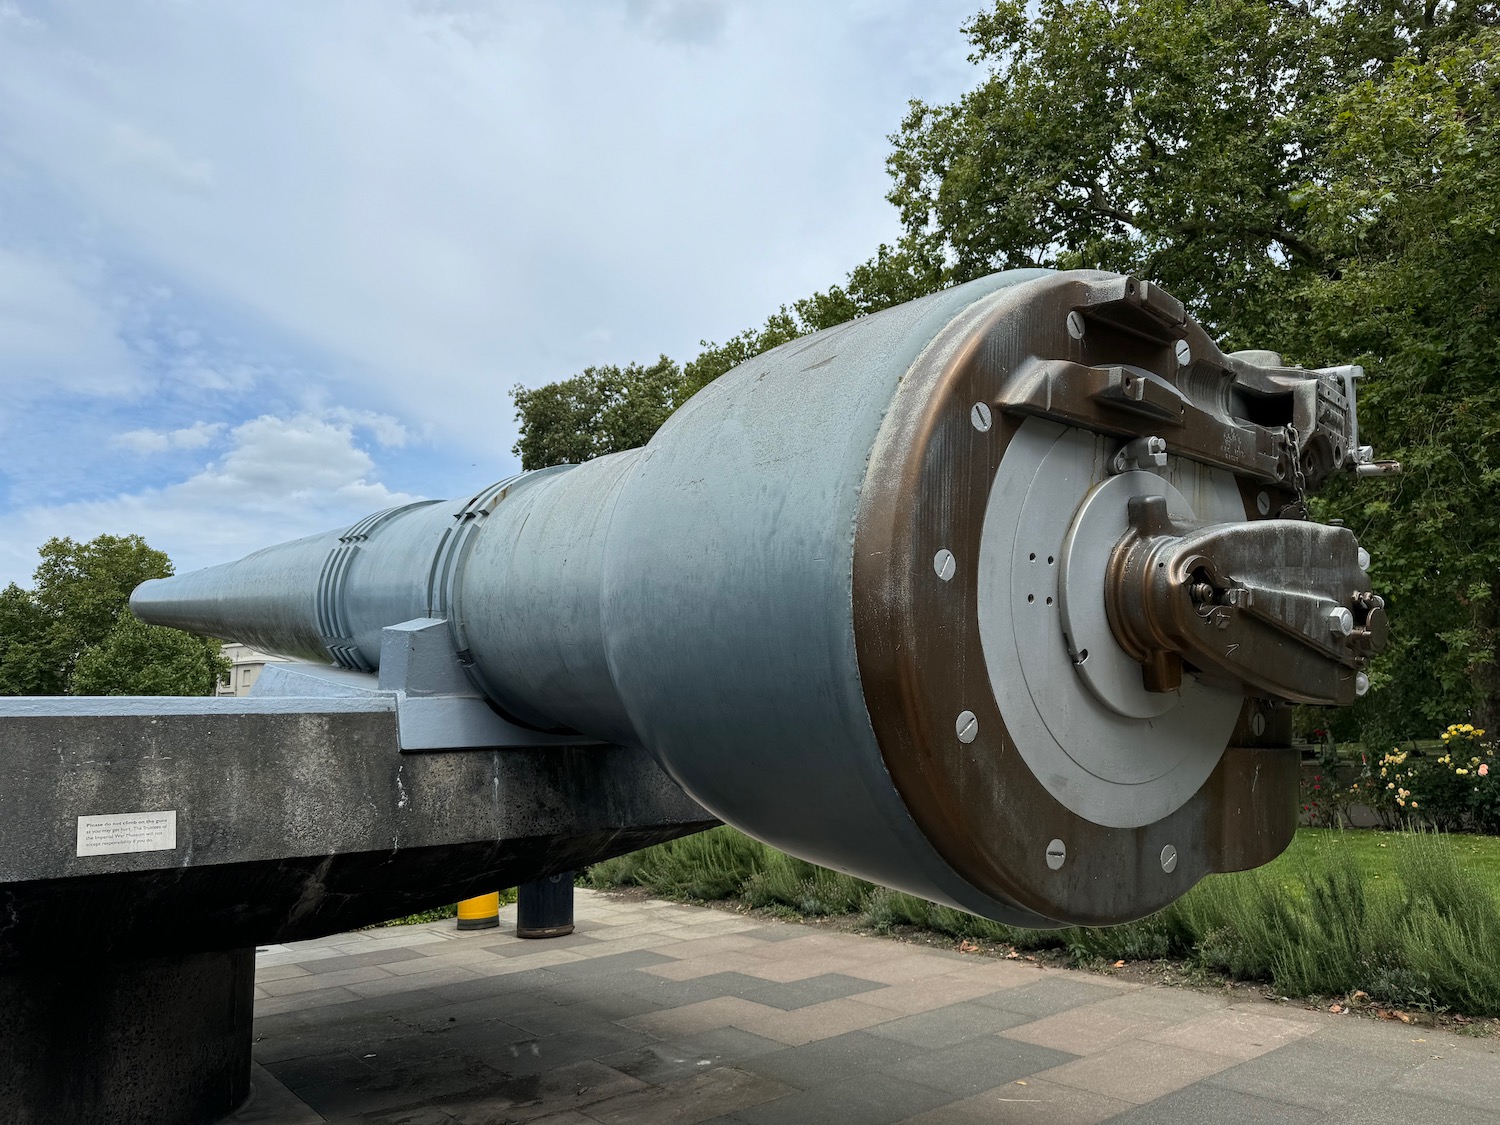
164 1041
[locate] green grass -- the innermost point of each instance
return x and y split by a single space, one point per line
1411 919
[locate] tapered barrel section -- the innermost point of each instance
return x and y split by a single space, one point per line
860 596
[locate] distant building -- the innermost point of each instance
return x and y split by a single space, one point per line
245 664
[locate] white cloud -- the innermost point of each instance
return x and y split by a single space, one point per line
57 331
350 226
196 436
280 478
133 147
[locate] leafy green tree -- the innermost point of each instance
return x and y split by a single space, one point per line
602 410
1315 176
73 634
139 659
1410 206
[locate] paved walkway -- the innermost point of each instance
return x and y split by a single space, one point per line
655 1013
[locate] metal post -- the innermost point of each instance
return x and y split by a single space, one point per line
545 908
481 912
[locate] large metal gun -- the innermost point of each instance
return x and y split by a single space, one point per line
999 597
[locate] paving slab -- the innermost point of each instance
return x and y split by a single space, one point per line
661 1013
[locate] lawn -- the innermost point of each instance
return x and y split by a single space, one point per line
1377 853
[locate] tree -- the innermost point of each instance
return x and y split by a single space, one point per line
1313 176
139 659
602 410
1410 206
73 634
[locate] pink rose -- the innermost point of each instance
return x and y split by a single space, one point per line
1484 770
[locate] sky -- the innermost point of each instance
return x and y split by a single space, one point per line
267 267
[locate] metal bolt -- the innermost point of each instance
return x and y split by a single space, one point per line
1361 683
980 416
1057 854
1258 724
1075 324
967 726
943 563
1340 621
1263 503
1364 559
1169 859
1184 353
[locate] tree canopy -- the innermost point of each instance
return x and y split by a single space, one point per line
1317 177
72 633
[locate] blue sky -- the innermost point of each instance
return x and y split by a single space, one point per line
267 267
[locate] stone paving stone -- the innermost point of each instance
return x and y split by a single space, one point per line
773 933
866 1099
1086 1030
814 1022
282 971
831 1060
508 984
795 968
692 1054
396 1087
924 995
385 956
1137 1072
705 1015
311 1070
677 993
1048 996
706 946
271 1103
322 998
901 969
1408 1109
943 1027
1028 1101
1317 1073
976 1065
813 990
291 986
565 1089
1459 1076
611 963
1239 1033
1200 1103
414 982
689 1101
693 967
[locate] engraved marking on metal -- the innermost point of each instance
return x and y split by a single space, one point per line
966 726
1057 854
944 564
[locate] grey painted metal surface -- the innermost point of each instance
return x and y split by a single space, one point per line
744 597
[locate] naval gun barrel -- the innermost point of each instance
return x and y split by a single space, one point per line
996 597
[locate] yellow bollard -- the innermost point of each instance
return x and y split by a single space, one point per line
479 913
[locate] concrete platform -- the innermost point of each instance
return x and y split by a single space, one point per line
656 1013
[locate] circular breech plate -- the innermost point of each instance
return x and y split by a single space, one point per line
1073 701
1039 785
